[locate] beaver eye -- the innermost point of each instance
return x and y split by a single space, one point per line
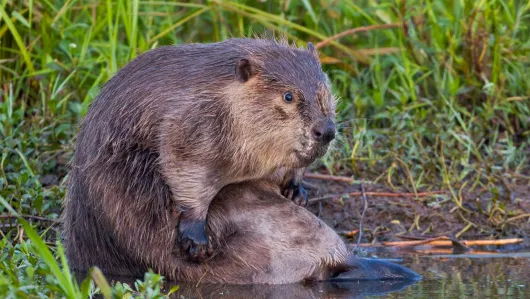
288 97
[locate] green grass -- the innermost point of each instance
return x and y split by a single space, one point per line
29 269
439 102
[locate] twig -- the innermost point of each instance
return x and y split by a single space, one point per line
349 234
517 217
492 242
365 207
418 242
354 31
379 51
21 235
408 237
445 241
449 252
380 194
28 217
432 251
327 177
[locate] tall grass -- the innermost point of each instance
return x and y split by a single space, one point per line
24 275
439 99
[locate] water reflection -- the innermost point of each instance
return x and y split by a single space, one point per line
317 290
469 276
444 276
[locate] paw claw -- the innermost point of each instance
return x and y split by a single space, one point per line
296 193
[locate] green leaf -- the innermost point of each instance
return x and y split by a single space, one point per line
310 10
85 286
18 39
173 289
21 18
45 254
101 282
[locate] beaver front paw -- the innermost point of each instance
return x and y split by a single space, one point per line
295 192
193 240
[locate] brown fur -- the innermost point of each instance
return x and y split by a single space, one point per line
263 238
176 125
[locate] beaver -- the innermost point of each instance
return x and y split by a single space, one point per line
194 118
262 238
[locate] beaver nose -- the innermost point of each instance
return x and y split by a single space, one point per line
323 131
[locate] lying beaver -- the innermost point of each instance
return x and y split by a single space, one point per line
178 123
262 239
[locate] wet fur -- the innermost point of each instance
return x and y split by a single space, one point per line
263 238
172 128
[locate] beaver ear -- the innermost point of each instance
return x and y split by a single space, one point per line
244 70
312 50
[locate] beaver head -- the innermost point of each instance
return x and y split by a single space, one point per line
285 98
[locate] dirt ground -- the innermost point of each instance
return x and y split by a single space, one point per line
405 217
394 218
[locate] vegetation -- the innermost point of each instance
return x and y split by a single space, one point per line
433 95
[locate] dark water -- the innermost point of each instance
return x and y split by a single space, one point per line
468 276
445 276
499 275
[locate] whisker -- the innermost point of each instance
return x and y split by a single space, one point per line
356 120
337 142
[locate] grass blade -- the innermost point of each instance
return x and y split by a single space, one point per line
101 282
45 254
18 39
134 29
179 23
310 10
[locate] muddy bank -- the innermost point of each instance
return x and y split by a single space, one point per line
387 218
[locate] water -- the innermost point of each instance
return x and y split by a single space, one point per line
469 276
486 275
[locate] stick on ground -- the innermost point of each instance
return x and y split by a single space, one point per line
380 194
445 241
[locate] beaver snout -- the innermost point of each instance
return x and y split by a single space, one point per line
323 131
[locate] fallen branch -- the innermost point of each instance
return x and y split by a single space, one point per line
430 241
492 242
379 51
354 31
449 251
327 177
377 194
445 241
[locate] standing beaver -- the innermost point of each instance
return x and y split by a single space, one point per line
261 238
177 124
